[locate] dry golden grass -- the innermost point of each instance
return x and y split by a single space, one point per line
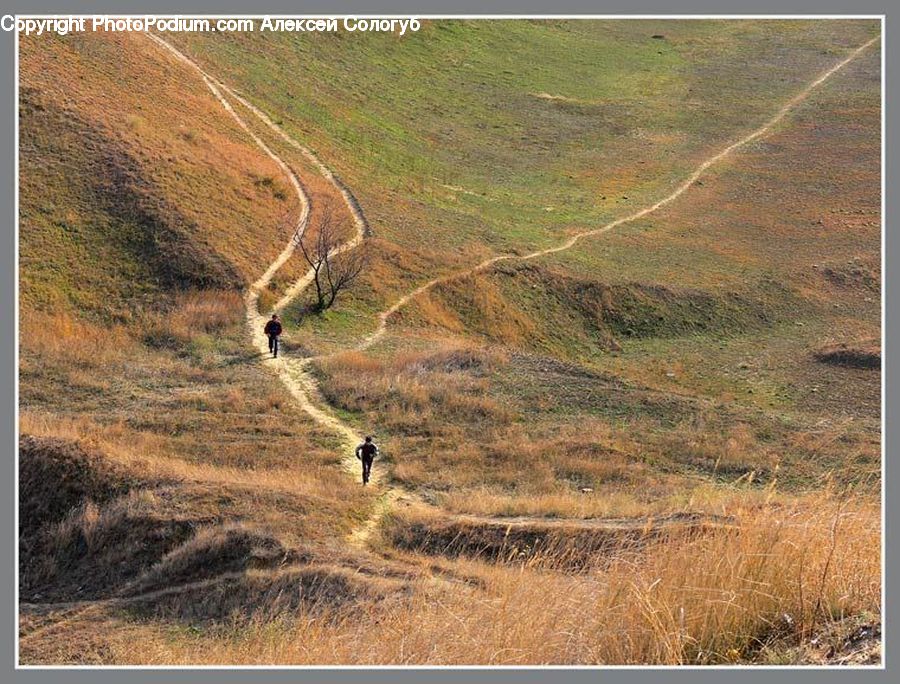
417 392
721 597
65 338
166 396
194 312
151 456
564 503
89 525
80 342
482 434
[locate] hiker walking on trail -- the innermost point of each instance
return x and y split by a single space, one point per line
366 453
273 330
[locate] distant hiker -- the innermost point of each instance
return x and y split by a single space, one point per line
273 330
366 452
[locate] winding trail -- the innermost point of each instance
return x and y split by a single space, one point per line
295 373
385 315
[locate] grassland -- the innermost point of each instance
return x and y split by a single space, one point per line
656 447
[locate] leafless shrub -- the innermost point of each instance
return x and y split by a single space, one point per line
334 269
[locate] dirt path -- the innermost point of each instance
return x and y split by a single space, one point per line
385 315
359 219
79 608
294 373
536 522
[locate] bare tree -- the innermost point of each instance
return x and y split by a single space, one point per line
334 269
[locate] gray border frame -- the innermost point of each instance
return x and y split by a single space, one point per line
8 348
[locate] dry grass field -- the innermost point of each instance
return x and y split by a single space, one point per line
658 445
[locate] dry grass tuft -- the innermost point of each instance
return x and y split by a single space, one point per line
62 336
194 312
417 392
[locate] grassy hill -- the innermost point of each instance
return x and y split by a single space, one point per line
624 414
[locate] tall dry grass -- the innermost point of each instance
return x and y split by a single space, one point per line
64 337
416 392
151 456
75 340
721 597
562 502
194 312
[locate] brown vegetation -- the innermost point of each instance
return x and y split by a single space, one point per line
734 596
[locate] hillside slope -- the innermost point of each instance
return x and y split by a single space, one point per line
134 181
612 420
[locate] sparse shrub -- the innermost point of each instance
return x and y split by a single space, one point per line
334 270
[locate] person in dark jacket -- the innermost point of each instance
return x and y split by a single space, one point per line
273 330
366 453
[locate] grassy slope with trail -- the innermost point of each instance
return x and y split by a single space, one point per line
379 110
435 402
668 283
